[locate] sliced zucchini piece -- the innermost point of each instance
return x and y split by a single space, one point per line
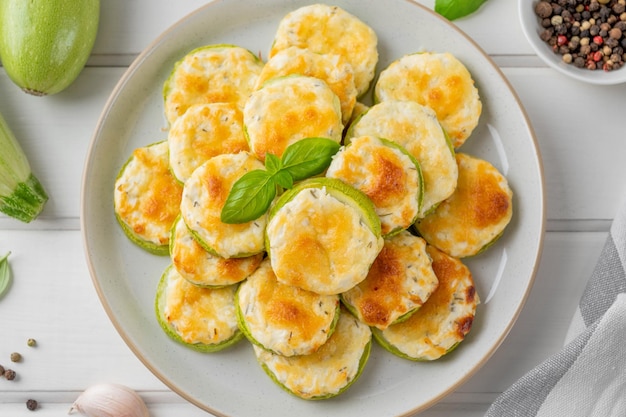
284 319
387 174
328 372
475 215
204 195
322 236
398 283
443 321
200 267
202 319
147 198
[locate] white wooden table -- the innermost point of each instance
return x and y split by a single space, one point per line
52 299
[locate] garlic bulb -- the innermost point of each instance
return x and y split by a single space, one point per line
110 400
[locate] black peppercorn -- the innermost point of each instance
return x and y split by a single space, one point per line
10 374
31 404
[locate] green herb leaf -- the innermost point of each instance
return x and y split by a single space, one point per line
308 157
5 274
272 163
283 178
249 198
455 9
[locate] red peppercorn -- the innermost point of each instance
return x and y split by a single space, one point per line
598 40
597 56
561 40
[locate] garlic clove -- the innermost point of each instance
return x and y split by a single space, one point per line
109 400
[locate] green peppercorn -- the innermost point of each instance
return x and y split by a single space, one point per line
16 357
31 404
31 342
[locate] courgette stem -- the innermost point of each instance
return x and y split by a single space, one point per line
21 194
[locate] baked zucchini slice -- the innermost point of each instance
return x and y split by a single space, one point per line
203 198
443 321
439 81
328 372
417 129
322 236
389 175
284 319
147 198
475 215
290 108
202 268
398 283
202 319
220 73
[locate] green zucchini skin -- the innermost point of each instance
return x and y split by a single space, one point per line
21 194
44 44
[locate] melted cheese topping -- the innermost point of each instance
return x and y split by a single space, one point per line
331 30
288 109
475 215
285 319
328 371
416 128
211 74
199 315
400 281
146 196
439 81
204 195
320 244
445 318
385 174
332 69
202 268
202 132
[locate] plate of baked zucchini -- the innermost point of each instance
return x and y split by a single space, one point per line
301 208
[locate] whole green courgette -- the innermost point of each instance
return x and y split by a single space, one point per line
21 194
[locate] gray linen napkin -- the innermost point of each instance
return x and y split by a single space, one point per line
588 376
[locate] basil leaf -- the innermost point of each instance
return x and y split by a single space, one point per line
5 274
283 178
455 9
272 163
249 198
308 157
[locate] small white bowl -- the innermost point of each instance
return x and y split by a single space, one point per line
532 29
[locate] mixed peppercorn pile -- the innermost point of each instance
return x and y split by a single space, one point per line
586 33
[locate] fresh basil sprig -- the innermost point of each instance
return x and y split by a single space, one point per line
253 193
455 9
5 273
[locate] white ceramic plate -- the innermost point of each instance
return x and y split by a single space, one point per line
231 383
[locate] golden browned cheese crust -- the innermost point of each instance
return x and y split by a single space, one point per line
199 315
204 196
211 74
416 128
202 268
445 318
321 244
475 215
331 30
439 81
400 280
387 175
334 70
202 132
147 196
329 370
288 109
282 318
